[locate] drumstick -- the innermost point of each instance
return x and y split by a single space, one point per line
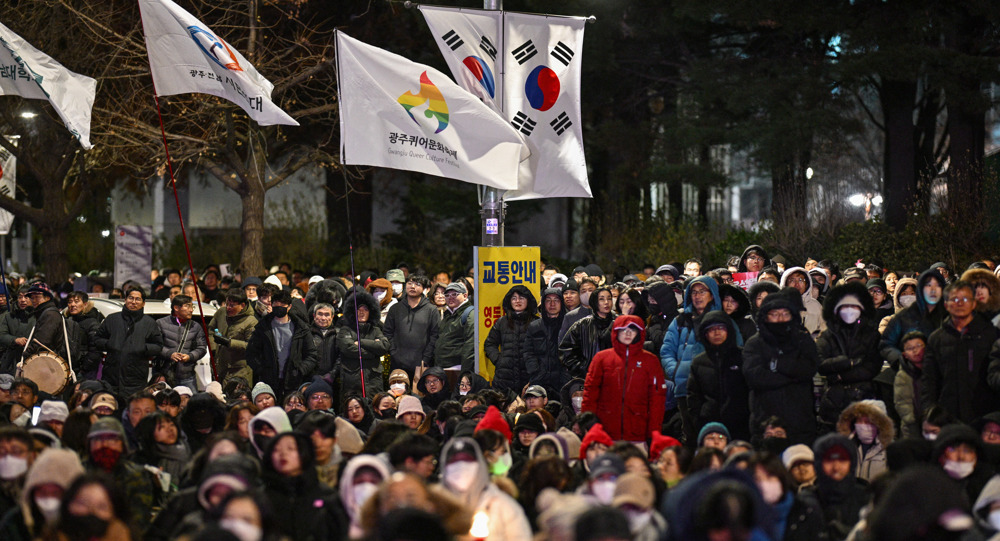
46 347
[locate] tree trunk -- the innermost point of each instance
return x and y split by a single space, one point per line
899 162
252 229
966 133
54 252
789 199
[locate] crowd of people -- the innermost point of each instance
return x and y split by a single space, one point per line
756 401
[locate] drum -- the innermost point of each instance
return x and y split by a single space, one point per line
49 371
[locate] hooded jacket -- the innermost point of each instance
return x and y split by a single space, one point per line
262 355
981 511
812 318
952 435
662 305
432 401
779 363
897 307
756 290
305 509
848 354
680 345
507 520
567 415
412 333
506 344
957 372
916 317
130 339
991 307
871 462
842 500
373 342
741 317
717 390
746 253
625 386
585 338
541 358
346 488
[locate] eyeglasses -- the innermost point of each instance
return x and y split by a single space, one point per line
756 258
699 292
959 300
913 348
319 396
796 280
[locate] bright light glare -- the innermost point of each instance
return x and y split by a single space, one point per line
106 233
857 199
809 173
877 200
28 114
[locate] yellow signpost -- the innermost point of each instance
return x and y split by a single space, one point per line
497 270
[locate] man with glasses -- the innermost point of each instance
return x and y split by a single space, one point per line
183 342
754 259
957 357
812 317
131 339
455 345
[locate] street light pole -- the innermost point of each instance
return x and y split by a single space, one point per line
492 200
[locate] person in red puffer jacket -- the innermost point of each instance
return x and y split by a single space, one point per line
625 386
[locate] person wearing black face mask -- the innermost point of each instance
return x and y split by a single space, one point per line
93 508
281 351
779 363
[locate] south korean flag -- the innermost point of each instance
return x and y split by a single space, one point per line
542 67
469 40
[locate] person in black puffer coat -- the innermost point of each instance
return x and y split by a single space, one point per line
89 319
374 345
570 407
429 400
842 496
848 350
779 363
717 390
954 447
130 339
589 335
507 343
757 293
736 303
324 338
541 358
662 305
15 325
922 316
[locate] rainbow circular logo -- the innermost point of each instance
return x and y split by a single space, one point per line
481 71
542 88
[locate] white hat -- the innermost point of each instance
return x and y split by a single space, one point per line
316 278
53 410
273 280
184 390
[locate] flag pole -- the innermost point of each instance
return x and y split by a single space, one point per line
493 207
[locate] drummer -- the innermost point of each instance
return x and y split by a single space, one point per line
49 334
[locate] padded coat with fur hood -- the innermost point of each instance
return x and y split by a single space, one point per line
871 462
848 354
991 307
900 285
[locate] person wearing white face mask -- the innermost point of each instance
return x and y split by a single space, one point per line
381 289
51 474
464 474
16 456
797 516
923 314
848 350
957 450
871 430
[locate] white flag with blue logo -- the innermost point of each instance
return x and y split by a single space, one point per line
404 115
535 68
27 72
186 56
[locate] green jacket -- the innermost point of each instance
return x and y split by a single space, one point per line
456 342
238 329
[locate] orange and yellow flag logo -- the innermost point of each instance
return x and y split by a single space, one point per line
429 94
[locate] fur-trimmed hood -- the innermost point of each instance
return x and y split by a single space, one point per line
743 302
762 286
856 289
901 285
865 408
985 276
